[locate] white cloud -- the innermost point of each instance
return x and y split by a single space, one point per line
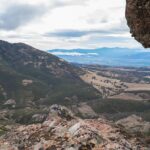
68 53
87 23
72 53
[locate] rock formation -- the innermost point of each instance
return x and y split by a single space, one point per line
138 19
61 130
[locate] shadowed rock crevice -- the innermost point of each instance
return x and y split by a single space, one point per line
138 19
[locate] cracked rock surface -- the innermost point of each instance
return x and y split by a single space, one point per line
63 131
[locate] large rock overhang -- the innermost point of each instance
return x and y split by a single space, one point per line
138 19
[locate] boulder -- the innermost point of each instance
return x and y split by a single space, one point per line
61 111
134 124
10 103
39 118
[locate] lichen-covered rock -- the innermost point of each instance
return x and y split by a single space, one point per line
138 19
135 124
61 111
10 103
38 118
58 132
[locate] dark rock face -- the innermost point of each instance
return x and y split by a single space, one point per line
138 19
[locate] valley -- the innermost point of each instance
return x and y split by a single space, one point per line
125 90
124 83
77 79
47 103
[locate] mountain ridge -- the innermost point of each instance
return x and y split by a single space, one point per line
47 74
105 56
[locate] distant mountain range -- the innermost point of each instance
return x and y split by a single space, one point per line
106 56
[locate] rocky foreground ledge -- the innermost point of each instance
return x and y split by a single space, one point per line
61 130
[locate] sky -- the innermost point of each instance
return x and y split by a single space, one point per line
65 24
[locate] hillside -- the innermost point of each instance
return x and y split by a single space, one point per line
85 115
125 90
30 77
115 81
31 80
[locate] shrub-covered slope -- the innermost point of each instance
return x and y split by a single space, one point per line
30 76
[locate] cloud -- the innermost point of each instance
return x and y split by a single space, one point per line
51 24
67 53
68 33
19 14
59 3
71 53
80 33
108 39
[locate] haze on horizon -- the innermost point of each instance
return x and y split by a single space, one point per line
65 24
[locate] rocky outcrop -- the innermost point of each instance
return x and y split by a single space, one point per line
10 103
138 19
135 125
63 131
26 82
